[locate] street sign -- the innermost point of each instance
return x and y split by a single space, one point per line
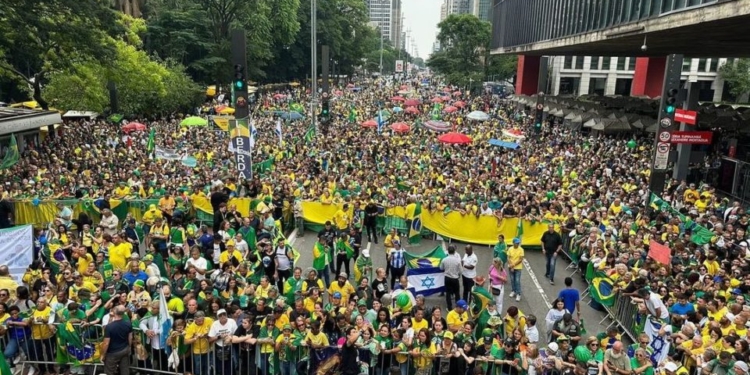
662 156
666 122
688 117
664 137
692 138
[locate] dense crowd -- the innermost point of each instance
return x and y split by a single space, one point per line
241 304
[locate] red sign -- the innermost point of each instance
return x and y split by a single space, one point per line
688 117
692 138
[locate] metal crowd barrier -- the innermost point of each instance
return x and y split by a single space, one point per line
44 356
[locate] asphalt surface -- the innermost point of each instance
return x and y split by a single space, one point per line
537 292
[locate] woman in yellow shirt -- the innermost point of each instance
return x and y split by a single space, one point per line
423 352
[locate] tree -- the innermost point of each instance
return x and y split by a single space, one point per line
145 86
418 61
40 37
465 40
737 75
500 67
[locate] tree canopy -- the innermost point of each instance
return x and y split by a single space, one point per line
737 75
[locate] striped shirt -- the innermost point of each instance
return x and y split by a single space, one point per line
397 258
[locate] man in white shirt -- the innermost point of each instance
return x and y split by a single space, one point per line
653 303
469 272
151 326
241 245
199 263
109 222
220 333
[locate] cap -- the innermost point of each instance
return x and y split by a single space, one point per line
562 338
221 312
742 365
516 241
362 303
671 367
337 295
139 283
552 348
76 274
148 257
135 256
736 291
510 342
462 304
366 253
448 335
344 275
286 327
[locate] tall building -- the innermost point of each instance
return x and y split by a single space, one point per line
443 10
454 7
603 75
386 15
481 9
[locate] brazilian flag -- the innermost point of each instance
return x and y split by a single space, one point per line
602 290
415 232
480 299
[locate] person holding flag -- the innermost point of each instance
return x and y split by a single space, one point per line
278 132
321 258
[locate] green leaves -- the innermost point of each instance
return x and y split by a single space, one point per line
737 75
465 41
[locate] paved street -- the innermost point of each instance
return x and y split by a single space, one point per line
537 291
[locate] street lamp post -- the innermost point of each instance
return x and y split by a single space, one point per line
381 51
314 60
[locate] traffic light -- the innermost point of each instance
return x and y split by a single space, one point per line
670 101
239 77
325 112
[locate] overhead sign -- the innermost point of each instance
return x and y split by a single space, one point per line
688 117
692 138
399 66
662 156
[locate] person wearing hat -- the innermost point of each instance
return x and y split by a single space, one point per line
285 346
368 315
672 368
515 266
363 267
230 254
152 270
343 287
457 317
508 357
196 335
220 334
139 298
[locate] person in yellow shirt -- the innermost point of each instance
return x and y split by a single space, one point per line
341 218
515 266
119 253
314 338
84 259
262 290
457 317
343 286
42 329
167 205
230 254
418 321
196 335
80 284
149 218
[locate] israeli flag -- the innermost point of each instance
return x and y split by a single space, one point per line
278 131
253 131
165 320
657 343
426 281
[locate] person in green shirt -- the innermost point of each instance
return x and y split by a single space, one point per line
286 349
507 357
500 250
641 363
104 267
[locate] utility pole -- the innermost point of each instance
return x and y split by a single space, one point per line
381 50
664 155
314 60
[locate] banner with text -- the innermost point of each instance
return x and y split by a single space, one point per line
399 66
239 134
17 249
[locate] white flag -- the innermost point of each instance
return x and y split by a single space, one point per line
278 131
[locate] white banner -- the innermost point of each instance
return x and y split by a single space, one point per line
399 66
17 249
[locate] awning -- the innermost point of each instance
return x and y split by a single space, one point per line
18 120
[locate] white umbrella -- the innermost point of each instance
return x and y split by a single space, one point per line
478 116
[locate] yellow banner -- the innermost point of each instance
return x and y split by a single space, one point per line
204 205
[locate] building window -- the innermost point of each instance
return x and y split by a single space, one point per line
631 63
605 64
702 65
620 63
686 64
714 66
568 64
579 62
595 62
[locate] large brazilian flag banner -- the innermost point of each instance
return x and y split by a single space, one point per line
601 286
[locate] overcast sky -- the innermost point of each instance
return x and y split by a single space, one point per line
422 17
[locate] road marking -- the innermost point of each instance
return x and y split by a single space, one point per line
292 237
536 282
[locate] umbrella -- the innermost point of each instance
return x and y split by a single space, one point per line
397 99
400 127
397 109
454 138
194 121
133 126
446 89
412 110
437 99
292 116
338 93
459 104
411 102
499 143
404 87
403 92
438 126
514 133
456 93
450 109
478 116
350 85
370 124
279 96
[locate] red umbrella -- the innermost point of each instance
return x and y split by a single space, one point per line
446 98
412 110
457 93
404 87
454 138
437 99
397 99
133 126
279 96
370 124
459 104
411 102
446 89
400 127
450 109
350 85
